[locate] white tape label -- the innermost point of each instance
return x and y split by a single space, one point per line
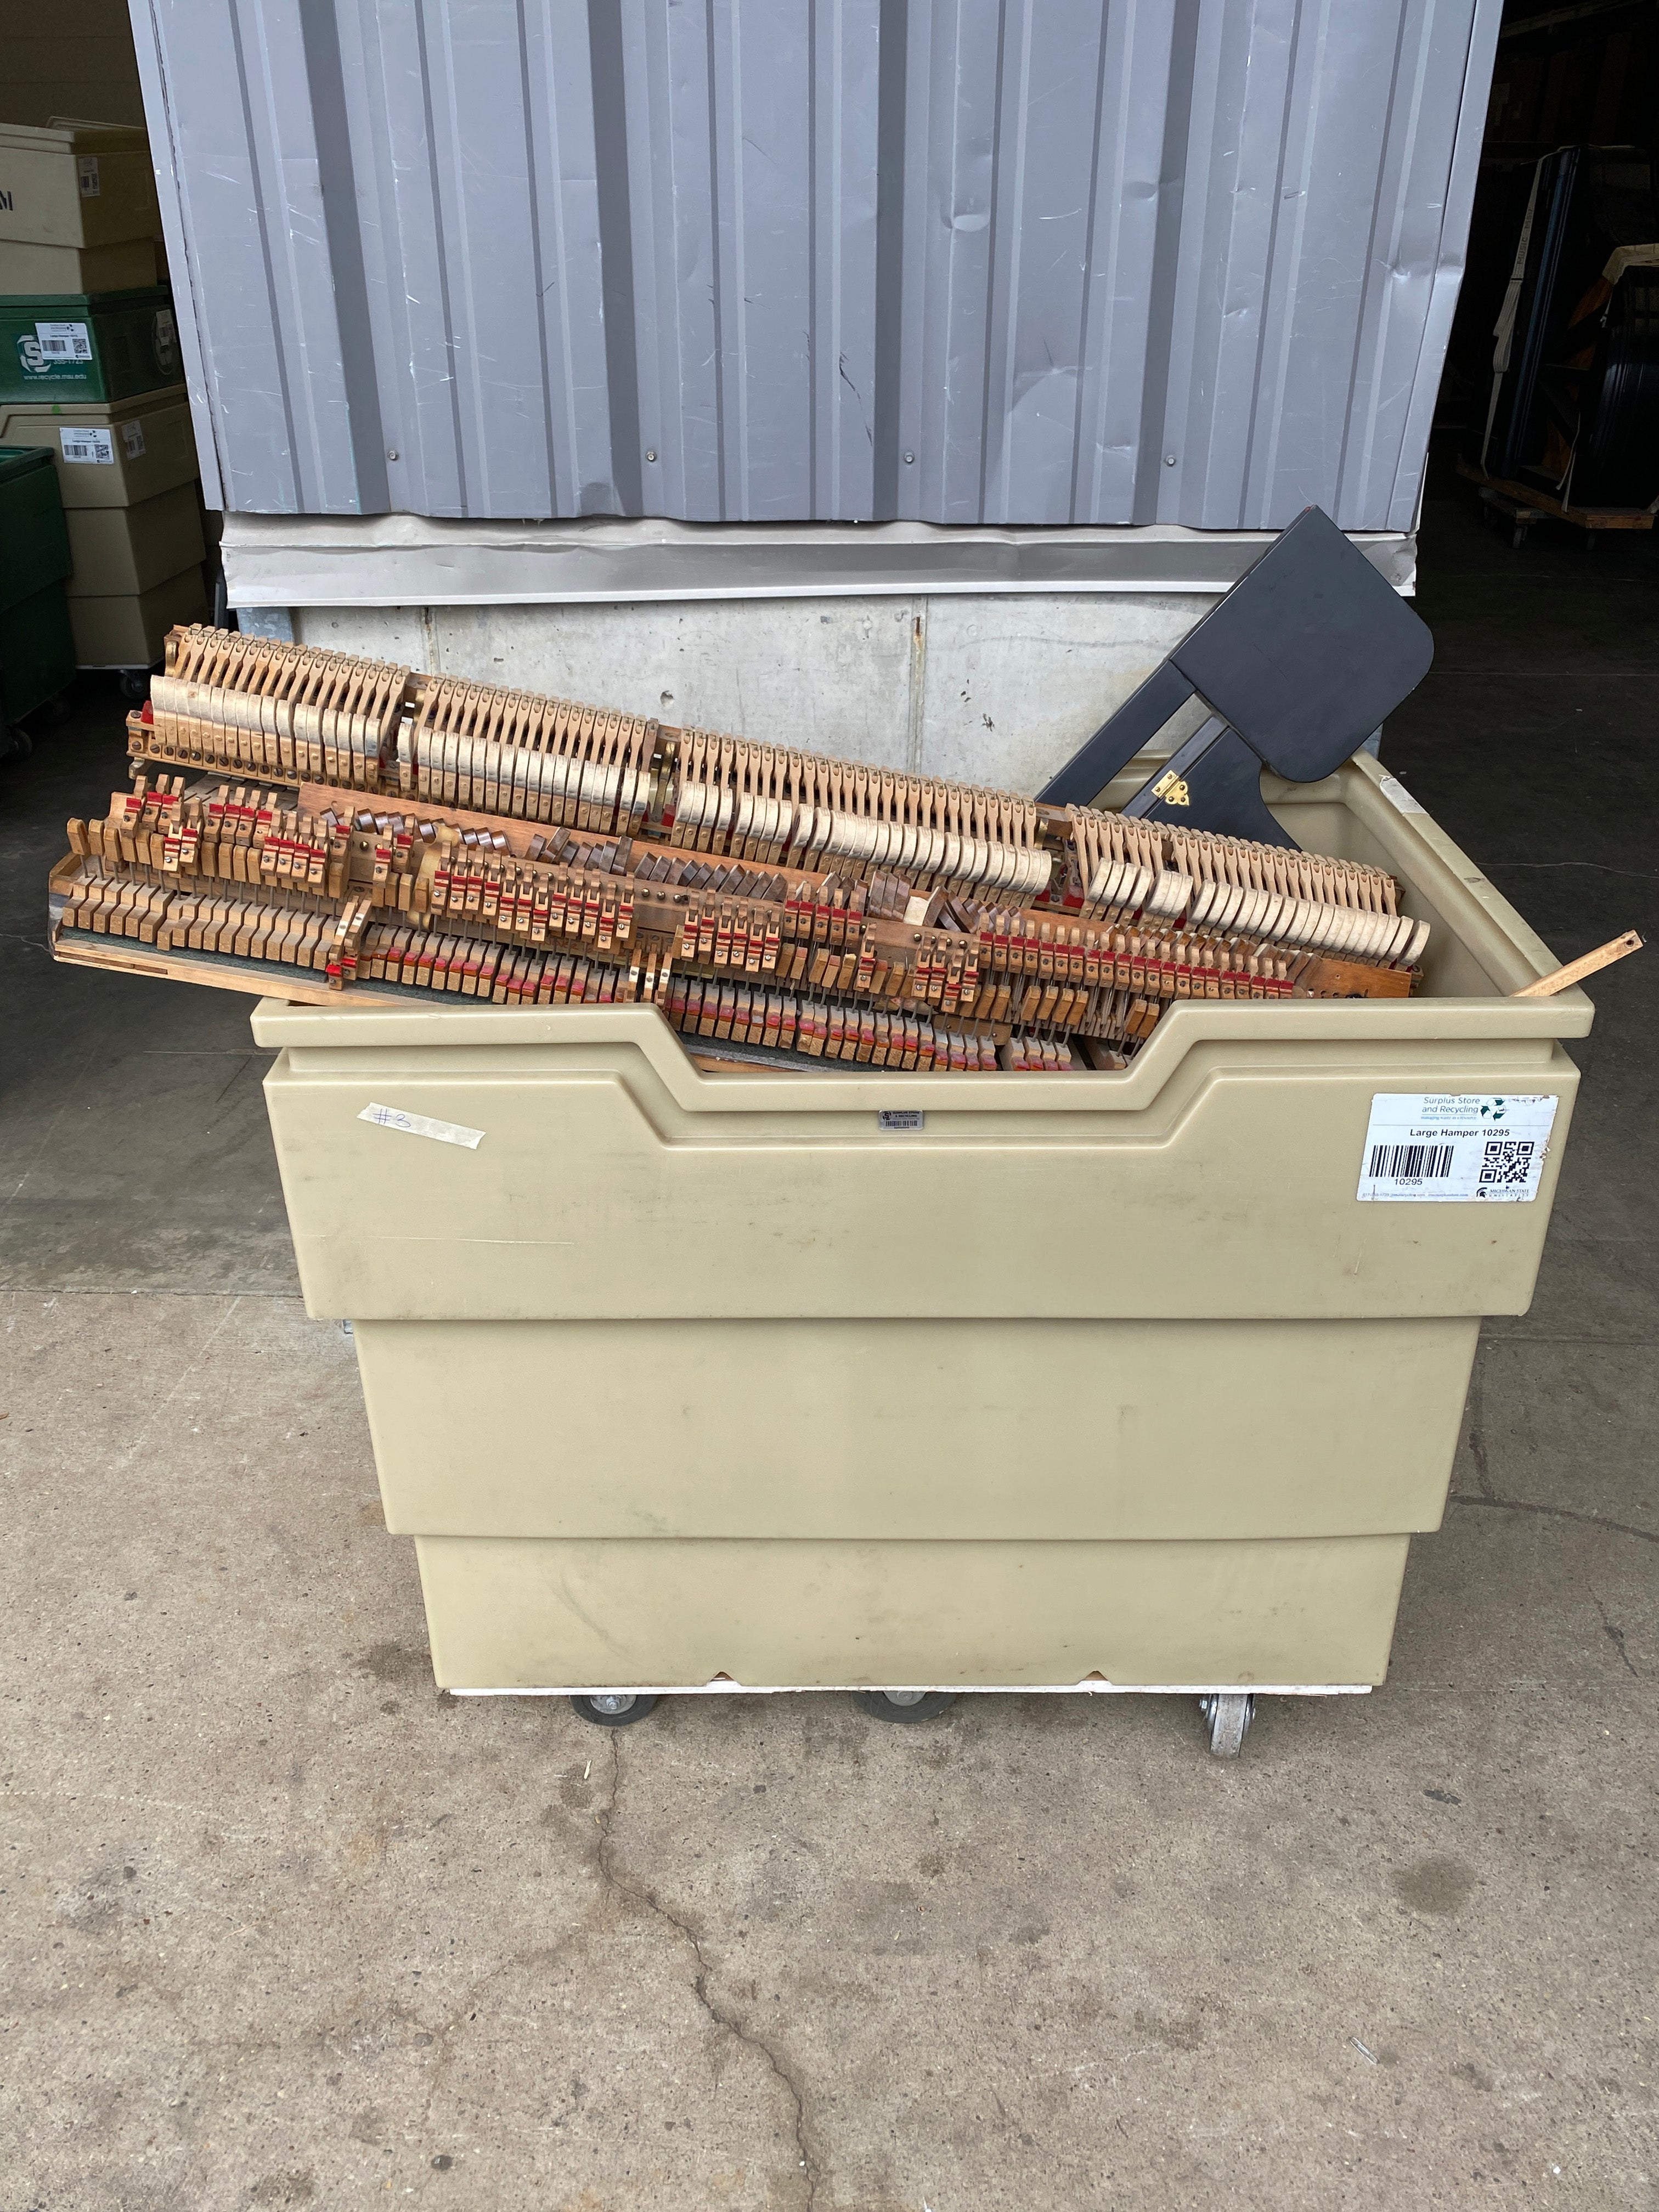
1451 1149
422 1125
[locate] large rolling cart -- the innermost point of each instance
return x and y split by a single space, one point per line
762 1380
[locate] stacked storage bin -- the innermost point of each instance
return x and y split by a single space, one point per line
90 370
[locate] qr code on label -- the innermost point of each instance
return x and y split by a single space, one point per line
1506 1161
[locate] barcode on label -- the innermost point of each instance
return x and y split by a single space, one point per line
1411 1163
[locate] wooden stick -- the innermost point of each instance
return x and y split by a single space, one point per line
1616 948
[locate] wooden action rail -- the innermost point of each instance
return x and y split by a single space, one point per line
361 827
586 934
423 862
868 939
346 947
348 950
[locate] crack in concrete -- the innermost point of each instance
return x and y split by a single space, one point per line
1560 1513
1478 1431
240 1070
1615 1636
1599 867
630 1887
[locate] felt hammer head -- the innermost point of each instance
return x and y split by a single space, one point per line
1310 651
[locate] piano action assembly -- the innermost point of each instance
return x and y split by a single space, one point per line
325 828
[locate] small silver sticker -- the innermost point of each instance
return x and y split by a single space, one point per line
900 1117
1400 798
422 1125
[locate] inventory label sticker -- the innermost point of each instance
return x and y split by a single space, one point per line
64 341
89 445
132 438
422 1125
1454 1149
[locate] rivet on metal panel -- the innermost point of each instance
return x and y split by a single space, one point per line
391 453
650 452
909 457
1169 460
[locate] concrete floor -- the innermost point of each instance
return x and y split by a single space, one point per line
282 1926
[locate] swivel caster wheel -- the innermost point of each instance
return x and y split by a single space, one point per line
615 1708
1229 1714
905 1704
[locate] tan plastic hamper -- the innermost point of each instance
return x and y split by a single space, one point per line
683 1381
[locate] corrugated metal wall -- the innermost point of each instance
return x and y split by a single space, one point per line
957 261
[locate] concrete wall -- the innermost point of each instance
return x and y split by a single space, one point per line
1000 690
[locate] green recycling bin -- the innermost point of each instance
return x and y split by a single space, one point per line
37 647
88 345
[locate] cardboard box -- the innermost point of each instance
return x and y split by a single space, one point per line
97 345
125 630
83 184
27 268
127 550
109 454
